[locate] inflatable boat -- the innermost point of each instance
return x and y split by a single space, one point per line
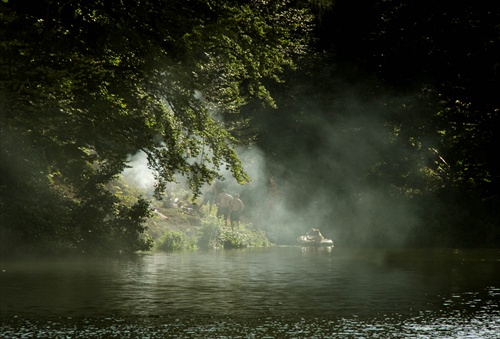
305 240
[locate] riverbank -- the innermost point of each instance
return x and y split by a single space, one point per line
190 227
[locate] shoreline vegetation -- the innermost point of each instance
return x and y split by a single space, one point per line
178 228
179 223
172 224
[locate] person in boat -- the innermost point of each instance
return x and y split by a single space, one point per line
315 235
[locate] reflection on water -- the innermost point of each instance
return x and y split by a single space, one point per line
375 291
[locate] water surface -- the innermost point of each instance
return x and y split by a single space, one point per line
278 291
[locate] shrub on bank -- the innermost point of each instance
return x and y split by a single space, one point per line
174 241
214 234
209 232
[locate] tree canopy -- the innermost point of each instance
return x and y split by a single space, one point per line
87 83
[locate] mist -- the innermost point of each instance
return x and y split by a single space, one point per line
138 174
317 181
321 176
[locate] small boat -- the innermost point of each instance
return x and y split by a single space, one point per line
306 240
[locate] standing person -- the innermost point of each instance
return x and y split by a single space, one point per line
223 203
210 196
235 208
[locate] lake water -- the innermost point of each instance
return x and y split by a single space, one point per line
277 292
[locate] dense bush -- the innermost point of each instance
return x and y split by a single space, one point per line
214 234
174 241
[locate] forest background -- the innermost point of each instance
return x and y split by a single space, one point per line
374 121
